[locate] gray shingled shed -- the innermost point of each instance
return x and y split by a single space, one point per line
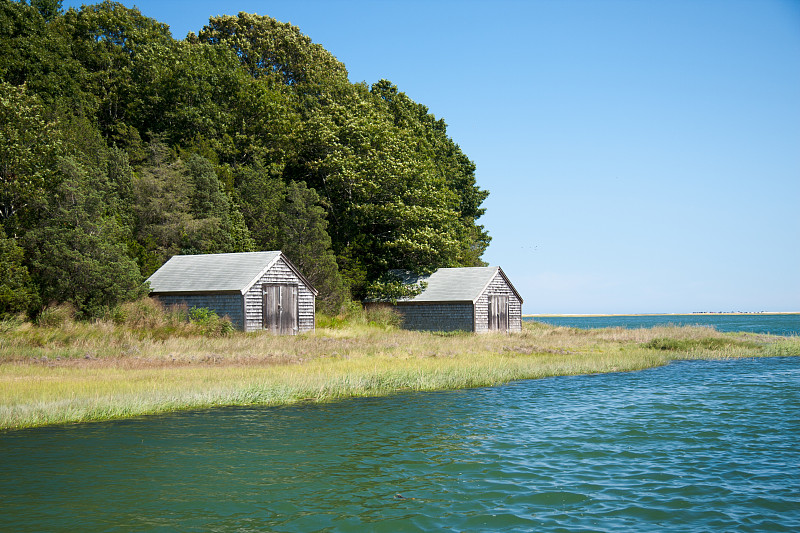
257 290
479 299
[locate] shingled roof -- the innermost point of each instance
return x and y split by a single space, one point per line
464 284
233 272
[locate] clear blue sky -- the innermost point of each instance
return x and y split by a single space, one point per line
642 156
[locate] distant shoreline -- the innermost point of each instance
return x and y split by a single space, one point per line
705 313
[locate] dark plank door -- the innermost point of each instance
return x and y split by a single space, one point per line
280 308
498 312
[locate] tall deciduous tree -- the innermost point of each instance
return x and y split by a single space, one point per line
17 293
451 164
30 146
108 39
272 49
38 51
388 206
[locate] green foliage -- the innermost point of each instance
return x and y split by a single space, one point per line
49 9
451 165
36 51
290 217
210 323
120 147
180 208
271 49
17 293
393 286
304 239
108 39
76 251
29 149
56 316
387 205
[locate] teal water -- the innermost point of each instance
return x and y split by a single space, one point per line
693 446
754 323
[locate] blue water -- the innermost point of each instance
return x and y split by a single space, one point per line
756 323
693 446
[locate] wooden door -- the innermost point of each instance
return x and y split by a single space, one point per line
498 312
280 308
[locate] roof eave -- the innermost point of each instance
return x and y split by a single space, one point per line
510 284
433 302
503 274
198 291
291 266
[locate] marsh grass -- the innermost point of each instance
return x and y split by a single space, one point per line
154 361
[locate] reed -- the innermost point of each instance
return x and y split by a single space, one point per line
80 372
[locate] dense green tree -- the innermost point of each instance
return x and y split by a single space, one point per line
77 252
451 164
38 52
209 201
290 217
182 91
161 203
120 147
261 197
17 293
49 9
30 146
274 50
303 237
182 209
108 39
388 207
196 92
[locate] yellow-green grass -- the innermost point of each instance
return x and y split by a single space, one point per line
79 372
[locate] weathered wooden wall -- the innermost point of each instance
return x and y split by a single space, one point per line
498 285
279 273
437 316
229 305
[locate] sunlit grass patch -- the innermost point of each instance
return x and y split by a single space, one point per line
706 343
78 372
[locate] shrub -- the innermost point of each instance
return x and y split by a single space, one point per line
383 316
147 313
56 316
688 345
11 323
210 323
354 314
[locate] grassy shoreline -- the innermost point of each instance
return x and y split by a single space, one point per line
77 372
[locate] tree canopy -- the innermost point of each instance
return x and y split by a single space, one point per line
121 146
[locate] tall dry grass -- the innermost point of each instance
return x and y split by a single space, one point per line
149 360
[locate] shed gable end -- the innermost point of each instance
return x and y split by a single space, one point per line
280 273
498 286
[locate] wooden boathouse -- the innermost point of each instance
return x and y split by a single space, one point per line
256 290
479 299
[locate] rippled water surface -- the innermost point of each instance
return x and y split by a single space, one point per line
694 446
785 324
